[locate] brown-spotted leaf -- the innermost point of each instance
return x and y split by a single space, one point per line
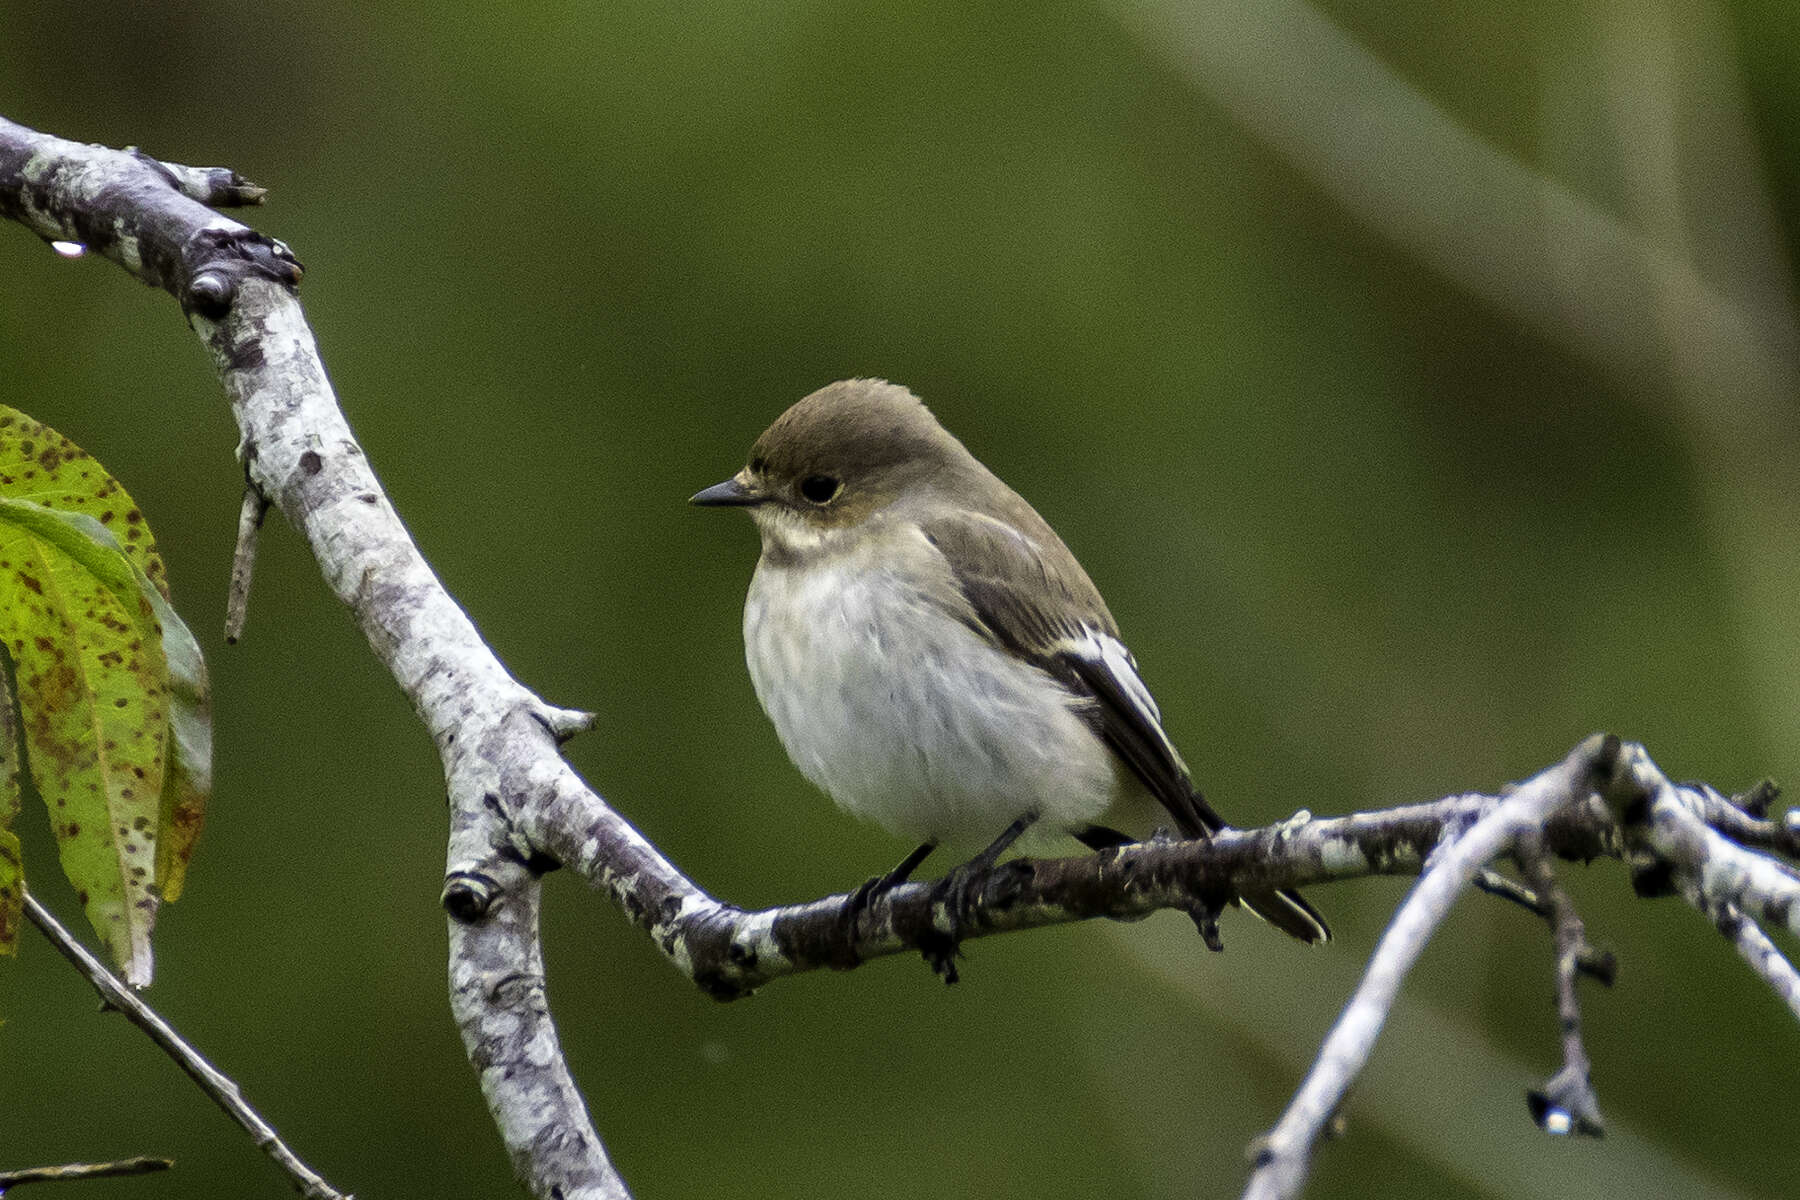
10 753
41 465
12 871
187 777
93 691
12 891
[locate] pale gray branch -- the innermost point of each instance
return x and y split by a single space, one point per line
1285 1156
1672 847
495 737
1768 962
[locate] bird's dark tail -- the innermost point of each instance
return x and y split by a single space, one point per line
1287 910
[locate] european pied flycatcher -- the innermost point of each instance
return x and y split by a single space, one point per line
931 654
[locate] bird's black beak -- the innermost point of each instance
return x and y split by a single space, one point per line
733 493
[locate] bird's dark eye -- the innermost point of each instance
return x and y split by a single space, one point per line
757 464
819 489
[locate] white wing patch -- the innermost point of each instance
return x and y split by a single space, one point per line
1115 659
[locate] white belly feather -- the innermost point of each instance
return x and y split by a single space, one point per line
906 716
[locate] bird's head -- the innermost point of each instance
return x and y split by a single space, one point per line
836 459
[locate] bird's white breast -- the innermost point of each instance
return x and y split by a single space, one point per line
905 715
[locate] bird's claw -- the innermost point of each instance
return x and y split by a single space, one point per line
1206 920
941 945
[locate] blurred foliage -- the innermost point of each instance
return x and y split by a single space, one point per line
1397 486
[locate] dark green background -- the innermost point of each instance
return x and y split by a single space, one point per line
1375 535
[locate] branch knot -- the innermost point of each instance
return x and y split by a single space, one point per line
469 895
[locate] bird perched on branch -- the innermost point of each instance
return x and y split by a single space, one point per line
931 654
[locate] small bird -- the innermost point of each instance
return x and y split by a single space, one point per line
931 654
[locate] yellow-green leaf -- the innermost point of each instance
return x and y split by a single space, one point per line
93 690
118 731
187 776
9 753
41 465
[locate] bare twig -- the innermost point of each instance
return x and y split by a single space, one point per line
1672 847
731 952
243 560
219 187
207 1077
497 997
141 1165
1756 801
1745 822
1495 884
498 741
1285 1155
1757 950
1566 1103
97 1170
1678 839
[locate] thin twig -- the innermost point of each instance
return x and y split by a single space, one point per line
243 560
1566 1103
1745 824
220 187
1757 950
1495 884
209 1078
1285 1155
1673 847
140 1165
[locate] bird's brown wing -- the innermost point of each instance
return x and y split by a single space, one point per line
1027 593
1032 598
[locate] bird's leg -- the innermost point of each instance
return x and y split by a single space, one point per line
871 890
951 903
904 868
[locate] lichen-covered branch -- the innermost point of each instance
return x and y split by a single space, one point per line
1679 838
1669 834
497 997
730 952
1754 945
495 737
1285 1154
149 217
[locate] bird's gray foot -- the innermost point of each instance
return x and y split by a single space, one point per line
953 902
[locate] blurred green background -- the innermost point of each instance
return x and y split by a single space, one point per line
1416 379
